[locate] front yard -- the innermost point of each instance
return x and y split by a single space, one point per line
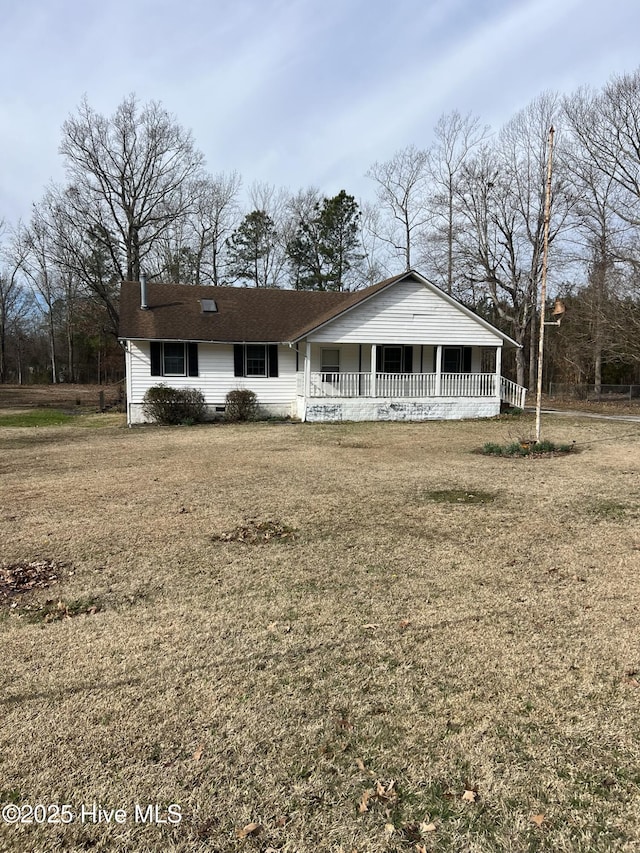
321 638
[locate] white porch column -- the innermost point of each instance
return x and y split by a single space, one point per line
373 370
438 370
307 371
498 370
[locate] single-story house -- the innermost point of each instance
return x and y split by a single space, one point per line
401 349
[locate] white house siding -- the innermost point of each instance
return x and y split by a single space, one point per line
276 395
320 410
407 313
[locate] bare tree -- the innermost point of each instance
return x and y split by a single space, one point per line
502 202
600 236
12 300
456 136
34 254
128 178
376 263
71 248
402 192
491 251
216 213
607 124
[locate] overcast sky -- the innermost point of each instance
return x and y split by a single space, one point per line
292 92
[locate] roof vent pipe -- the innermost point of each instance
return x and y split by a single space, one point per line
143 292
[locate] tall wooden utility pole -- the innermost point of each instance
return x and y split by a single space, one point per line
543 283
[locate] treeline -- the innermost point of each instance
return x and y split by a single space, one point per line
468 212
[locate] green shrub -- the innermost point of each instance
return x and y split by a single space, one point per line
166 405
241 405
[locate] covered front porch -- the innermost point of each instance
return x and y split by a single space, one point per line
463 382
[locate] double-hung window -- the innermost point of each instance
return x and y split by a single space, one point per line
174 358
255 360
330 365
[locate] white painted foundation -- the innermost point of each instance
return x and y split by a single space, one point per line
381 409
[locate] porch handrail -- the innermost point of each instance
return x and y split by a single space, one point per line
512 393
358 384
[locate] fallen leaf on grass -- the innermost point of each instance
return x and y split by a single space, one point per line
364 802
404 624
427 827
537 819
197 755
470 796
250 830
381 794
389 829
371 626
360 765
385 794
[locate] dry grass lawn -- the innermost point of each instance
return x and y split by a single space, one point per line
274 690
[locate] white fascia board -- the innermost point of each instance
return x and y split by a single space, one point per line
204 341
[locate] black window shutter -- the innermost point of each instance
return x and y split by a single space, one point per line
466 359
238 360
407 359
192 359
273 359
156 358
435 359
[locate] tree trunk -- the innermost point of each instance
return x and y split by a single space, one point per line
52 348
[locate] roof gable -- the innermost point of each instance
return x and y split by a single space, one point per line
376 293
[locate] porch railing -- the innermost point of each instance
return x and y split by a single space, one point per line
401 385
340 385
512 393
468 385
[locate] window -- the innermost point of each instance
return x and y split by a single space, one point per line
330 365
174 358
255 360
394 359
456 359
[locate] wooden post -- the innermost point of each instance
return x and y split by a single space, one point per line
307 371
498 371
438 370
372 391
543 282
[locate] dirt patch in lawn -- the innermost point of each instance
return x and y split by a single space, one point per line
61 396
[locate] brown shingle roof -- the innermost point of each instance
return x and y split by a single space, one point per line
263 315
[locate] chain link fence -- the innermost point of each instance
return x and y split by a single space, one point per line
567 391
